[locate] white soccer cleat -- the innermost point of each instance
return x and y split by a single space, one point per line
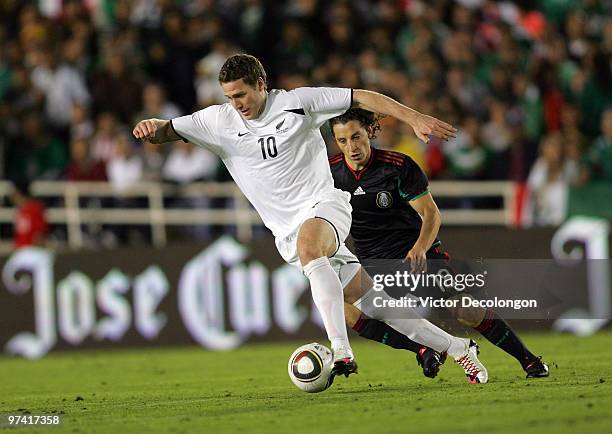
344 362
474 369
342 352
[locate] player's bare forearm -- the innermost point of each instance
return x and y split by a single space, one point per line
155 131
417 256
429 229
423 125
379 103
431 220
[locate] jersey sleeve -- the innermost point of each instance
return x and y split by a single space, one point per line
412 182
323 103
199 128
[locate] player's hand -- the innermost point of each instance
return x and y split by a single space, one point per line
146 130
417 258
425 126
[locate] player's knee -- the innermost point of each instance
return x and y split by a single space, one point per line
315 239
310 245
309 251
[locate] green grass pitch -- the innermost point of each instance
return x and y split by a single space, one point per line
185 390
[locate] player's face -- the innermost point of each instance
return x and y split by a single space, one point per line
247 100
352 139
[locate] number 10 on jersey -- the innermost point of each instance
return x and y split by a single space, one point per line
268 145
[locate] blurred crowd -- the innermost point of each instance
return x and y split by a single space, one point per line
528 83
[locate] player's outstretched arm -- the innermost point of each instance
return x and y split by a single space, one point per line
423 125
155 131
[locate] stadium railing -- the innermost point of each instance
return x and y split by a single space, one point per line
67 207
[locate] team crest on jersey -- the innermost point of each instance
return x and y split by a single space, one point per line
278 127
384 199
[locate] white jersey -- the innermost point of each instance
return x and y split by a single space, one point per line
278 160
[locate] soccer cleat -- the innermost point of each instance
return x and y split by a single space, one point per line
346 367
430 360
344 362
474 369
536 369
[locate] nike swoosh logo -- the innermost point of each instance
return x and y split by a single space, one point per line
242 134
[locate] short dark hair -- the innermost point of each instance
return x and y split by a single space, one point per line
367 119
244 66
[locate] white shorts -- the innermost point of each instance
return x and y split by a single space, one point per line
335 208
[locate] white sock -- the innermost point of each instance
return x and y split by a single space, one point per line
327 294
416 328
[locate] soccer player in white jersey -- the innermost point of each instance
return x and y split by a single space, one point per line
271 144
